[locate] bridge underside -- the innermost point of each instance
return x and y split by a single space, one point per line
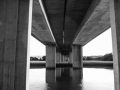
74 23
40 28
64 26
71 22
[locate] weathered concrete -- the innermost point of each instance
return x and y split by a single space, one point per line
62 58
96 21
66 58
72 22
74 14
14 37
115 24
77 56
50 56
40 28
70 57
64 18
58 57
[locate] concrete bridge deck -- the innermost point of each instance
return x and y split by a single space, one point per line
64 26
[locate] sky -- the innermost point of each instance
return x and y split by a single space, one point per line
101 45
36 48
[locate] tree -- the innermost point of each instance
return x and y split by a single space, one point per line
106 57
44 58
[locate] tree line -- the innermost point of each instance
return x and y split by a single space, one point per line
43 58
106 57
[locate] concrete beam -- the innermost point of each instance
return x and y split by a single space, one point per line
14 38
50 56
86 17
40 28
98 22
115 25
43 41
77 56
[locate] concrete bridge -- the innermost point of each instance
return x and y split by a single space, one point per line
64 26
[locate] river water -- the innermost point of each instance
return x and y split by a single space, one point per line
71 79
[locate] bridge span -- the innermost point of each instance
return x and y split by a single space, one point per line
64 26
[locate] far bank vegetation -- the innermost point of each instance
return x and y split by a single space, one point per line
106 57
43 58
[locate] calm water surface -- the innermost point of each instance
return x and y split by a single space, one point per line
71 79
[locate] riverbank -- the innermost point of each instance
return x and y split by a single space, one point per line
97 63
85 64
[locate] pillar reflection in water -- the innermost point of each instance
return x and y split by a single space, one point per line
77 78
64 79
50 78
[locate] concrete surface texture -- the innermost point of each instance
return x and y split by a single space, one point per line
62 25
71 21
40 28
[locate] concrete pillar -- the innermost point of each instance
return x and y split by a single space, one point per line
61 58
115 25
65 58
50 56
77 56
14 38
58 57
70 57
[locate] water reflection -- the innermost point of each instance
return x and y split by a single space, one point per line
98 79
71 79
64 79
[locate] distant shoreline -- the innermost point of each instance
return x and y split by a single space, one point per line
98 63
85 63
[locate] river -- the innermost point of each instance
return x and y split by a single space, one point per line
71 79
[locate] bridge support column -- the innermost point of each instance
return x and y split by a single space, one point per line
62 58
115 25
58 57
66 59
50 56
70 57
14 40
77 56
